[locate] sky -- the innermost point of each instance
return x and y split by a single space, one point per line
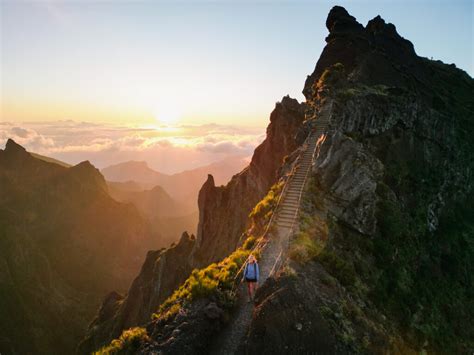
143 63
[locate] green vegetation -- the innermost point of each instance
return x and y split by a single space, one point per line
217 280
332 74
347 93
311 239
426 278
337 267
310 243
330 78
264 209
128 342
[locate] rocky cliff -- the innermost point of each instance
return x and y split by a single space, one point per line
64 244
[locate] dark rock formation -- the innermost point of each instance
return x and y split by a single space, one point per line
64 243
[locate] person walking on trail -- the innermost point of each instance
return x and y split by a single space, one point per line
251 275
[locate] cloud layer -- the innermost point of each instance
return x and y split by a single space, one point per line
167 149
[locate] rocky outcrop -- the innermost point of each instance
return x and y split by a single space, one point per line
224 210
64 243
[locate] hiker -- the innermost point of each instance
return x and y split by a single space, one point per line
251 274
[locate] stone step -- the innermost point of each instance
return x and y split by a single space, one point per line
294 206
287 219
293 193
288 209
288 213
291 200
287 223
289 206
295 185
299 180
294 182
294 190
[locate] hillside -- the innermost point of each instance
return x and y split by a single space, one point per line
382 255
64 243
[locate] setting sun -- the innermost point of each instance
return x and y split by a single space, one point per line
167 115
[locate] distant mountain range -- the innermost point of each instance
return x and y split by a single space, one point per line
167 216
181 186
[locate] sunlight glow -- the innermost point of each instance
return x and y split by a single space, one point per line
167 115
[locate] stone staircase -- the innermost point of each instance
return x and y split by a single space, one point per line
273 251
288 209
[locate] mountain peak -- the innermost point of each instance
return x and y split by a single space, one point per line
210 181
339 19
373 55
13 146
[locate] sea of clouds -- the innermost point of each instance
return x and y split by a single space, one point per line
167 149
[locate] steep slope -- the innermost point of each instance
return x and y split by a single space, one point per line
223 214
63 244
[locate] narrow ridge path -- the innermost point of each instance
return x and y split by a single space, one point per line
273 252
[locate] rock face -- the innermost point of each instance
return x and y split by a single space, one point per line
223 211
223 214
392 187
64 243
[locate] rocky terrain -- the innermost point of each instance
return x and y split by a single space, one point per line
383 256
64 244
